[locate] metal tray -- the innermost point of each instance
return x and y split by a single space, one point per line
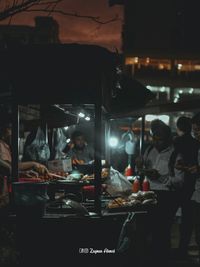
140 208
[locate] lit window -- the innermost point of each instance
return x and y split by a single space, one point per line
135 59
180 66
129 61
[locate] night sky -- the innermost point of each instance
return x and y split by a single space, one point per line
79 30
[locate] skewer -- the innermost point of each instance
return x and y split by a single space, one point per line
56 175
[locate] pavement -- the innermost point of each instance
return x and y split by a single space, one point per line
193 258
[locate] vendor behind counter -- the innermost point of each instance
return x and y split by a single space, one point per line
81 153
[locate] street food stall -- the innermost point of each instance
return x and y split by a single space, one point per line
64 79
50 87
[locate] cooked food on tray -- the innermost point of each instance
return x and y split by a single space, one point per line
104 174
134 200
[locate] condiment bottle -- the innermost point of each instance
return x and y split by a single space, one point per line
136 185
129 171
145 184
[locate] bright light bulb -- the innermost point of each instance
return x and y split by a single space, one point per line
87 118
179 66
81 115
66 128
68 140
113 141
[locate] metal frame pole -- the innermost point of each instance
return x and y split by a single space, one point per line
142 134
15 141
97 158
107 135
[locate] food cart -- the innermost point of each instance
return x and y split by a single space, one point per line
66 77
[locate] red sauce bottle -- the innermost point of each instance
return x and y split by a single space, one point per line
129 171
145 184
136 185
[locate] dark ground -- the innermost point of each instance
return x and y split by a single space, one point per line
193 259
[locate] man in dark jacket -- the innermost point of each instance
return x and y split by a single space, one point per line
187 147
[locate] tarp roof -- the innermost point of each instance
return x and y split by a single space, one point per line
70 73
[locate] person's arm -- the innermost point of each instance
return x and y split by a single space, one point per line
32 164
177 179
5 157
195 169
5 167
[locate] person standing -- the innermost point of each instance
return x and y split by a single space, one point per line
166 182
188 147
196 169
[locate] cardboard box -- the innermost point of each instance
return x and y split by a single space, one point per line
64 165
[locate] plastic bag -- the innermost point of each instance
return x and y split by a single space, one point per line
38 150
59 143
118 185
127 234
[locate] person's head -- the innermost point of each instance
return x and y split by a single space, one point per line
78 140
156 124
196 126
162 137
184 125
6 133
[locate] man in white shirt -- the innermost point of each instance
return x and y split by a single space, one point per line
166 181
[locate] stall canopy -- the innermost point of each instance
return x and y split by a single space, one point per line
131 96
71 73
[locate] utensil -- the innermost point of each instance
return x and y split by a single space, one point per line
57 176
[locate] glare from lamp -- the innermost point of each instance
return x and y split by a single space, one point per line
113 142
151 117
81 115
164 118
87 118
66 128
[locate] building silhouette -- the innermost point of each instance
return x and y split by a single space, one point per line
45 31
161 46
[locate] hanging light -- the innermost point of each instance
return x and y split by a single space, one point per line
113 141
87 118
81 115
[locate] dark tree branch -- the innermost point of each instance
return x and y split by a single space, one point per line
52 10
50 7
49 2
95 19
17 8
